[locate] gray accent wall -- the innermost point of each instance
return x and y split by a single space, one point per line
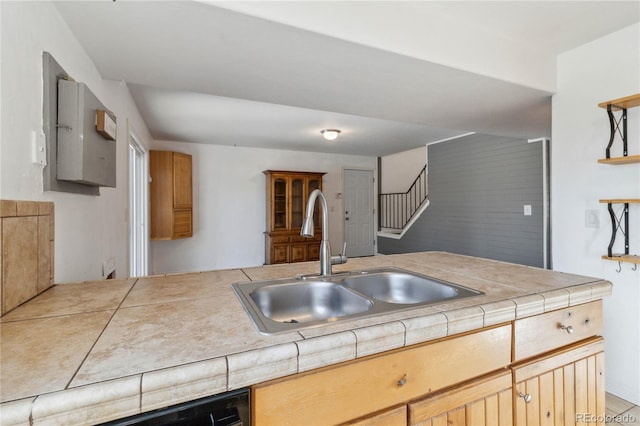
478 186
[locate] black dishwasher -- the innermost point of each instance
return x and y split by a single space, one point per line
227 409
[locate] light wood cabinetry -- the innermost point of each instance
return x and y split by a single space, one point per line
544 369
361 387
482 402
392 417
542 333
565 387
561 380
171 195
287 194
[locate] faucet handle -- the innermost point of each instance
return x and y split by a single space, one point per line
340 258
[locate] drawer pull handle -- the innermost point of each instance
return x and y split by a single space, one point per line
567 328
526 396
402 381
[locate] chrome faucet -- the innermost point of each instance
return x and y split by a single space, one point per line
326 260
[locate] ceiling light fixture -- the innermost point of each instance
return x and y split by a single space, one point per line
330 134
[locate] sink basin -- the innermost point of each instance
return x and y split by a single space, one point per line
285 305
403 287
302 302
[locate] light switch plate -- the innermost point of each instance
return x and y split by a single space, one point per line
527 209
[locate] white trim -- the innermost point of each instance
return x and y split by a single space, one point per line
397 236
143 175
546 223
451 138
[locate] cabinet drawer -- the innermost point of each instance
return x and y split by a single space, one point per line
279 240
552 330
354 389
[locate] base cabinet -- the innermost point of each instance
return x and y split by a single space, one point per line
542 370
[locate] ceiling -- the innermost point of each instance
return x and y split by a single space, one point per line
391 75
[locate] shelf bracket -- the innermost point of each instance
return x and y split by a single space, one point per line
614 124
619 224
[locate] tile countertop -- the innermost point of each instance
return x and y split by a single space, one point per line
91 352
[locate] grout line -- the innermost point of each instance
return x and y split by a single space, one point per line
115 311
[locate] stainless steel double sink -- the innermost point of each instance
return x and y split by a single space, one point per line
285 305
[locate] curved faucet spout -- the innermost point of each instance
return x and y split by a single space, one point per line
307 231
308 225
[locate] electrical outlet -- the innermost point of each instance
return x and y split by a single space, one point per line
527 209
108 266
591 218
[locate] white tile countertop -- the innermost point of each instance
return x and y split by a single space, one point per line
90 352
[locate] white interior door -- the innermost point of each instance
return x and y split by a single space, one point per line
358 212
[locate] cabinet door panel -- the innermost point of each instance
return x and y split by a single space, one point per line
280 253
278 204
485 401
298 252
313 251
565 387
182 224
297 202
182 181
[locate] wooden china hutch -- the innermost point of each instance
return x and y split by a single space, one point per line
287 194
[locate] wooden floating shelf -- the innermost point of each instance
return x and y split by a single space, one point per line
620 160
627 258
622 103
621 200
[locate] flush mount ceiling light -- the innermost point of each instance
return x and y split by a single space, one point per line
330 134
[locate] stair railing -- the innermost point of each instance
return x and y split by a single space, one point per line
398 208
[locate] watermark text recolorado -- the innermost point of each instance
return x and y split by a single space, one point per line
620 418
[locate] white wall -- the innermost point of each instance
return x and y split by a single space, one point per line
229 204
88 229
605 69
400 170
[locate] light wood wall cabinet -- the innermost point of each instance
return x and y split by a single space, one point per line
287 194
171 195
545 369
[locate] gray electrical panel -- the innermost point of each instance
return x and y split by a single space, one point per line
84 155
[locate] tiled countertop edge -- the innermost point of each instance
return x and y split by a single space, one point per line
108 400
